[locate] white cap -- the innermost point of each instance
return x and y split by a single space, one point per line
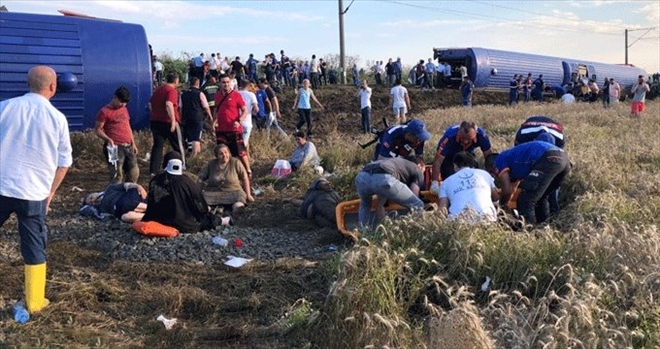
175 167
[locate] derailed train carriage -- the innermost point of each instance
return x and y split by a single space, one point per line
92 58
493 69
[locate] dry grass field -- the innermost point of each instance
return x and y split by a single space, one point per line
590 278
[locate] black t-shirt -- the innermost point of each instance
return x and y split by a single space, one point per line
404 170
237 67
271 97
175 201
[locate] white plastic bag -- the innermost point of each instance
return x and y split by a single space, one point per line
271 118
282 169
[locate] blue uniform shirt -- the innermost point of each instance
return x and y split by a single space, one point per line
448 146
393 143
520 159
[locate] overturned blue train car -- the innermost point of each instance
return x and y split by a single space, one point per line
92 58
494 69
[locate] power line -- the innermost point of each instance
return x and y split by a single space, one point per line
537 13
495 18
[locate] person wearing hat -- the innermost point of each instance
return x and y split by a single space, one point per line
395 180
402 140
175 200
464 137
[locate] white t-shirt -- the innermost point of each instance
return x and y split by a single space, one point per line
250 101
365 97
158 66
567 98
469 189
614 91
398 96
314 66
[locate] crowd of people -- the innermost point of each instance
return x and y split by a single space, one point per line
34 137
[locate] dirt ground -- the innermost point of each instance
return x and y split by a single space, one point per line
106 303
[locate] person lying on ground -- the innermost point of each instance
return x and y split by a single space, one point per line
225 181
396 180
177 201
126 201
319 203
305 154
468 194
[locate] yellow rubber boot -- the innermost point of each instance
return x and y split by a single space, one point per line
35 288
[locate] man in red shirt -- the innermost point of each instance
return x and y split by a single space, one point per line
230 112
113 126
165 119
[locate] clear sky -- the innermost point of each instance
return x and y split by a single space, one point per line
377 30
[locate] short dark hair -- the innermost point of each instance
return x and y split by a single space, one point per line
171 78
193 80
123 94
397 81
263 81
222 76
465 159
489 161
300 134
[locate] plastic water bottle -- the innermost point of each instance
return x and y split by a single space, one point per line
21 314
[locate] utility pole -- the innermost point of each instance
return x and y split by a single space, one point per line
630 30
342 52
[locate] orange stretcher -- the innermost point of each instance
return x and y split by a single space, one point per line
347 211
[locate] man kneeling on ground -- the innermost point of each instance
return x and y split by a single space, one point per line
468 194
395 179
541 167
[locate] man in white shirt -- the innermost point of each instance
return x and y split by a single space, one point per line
365 105
213 65
614 91
158 69
35 152
469 193
400 102
314 72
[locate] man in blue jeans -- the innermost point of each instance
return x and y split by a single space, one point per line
395 179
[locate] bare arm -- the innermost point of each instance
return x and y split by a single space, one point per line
507 188
246 186
101 133
407 100
443 206
169 106
276 107
59 177
437 162
295 100
316 100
